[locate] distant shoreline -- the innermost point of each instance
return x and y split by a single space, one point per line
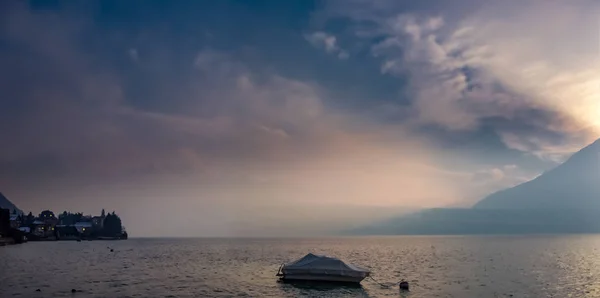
353 236
45 239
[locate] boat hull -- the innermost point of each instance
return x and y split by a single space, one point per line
316 268
323 278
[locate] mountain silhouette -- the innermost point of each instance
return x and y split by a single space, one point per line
575 184
565 199
6 204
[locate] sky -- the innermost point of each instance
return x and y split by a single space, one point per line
259 118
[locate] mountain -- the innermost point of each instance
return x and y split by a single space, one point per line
6 204
565 199
575 184
442 221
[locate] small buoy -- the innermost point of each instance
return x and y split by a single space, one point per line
73 290
111 250
38 290
404 285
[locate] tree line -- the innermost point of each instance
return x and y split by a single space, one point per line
111 225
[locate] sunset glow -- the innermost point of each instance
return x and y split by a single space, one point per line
366 108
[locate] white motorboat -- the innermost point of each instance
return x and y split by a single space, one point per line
321 268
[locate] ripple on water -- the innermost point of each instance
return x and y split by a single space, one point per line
536 266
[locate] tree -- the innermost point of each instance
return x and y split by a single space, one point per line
103 214
77 217
30 218
68 218
62 218
112 225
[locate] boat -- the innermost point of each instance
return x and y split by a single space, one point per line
321 268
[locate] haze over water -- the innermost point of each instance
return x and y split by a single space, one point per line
444 266
261 118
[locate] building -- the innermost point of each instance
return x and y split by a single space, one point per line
98 222
84 227
66 232
48 218
4 222
15 221
38 228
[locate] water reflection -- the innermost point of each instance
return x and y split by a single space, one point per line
324 289
498 266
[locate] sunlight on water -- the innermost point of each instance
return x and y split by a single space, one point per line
522 266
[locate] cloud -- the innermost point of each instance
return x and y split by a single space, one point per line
489 180
497 61
506 174
555 149
224 149
494 174
233 147
133 54
327 42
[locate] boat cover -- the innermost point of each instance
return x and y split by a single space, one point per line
318 264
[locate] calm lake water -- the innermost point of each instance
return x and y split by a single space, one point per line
521 266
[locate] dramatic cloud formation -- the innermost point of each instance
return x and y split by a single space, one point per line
500 61
189 134
233 148
326 42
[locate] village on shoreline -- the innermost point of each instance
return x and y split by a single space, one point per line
16 227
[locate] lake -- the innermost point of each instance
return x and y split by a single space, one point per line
435 266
